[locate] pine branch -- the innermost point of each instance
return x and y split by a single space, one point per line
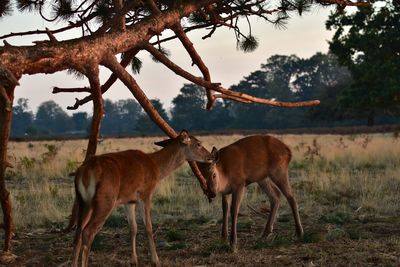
71 25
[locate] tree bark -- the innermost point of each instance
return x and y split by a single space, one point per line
93 76
50 57
5 126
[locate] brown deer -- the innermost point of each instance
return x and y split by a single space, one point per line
258 159
105 181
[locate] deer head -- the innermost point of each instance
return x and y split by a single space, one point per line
210 172
189 145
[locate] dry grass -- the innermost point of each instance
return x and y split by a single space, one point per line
347 188
328 171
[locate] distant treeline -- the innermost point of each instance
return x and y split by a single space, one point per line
285 78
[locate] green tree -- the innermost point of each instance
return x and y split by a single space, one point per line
368 43
188 111
52 119
22 118
145 124
120 117
81 121
274 80
316 74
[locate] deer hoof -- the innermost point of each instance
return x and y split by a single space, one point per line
156 264
267 237
233 248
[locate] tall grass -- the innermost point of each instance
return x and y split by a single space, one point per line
328 172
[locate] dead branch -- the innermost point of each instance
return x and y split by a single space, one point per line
110 81
344 3
51 36
216 87
71 25
232 98
57 90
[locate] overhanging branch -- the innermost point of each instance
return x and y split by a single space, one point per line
110 81
216 87
177 28
57 90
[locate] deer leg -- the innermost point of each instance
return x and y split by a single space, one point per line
83 215
273 193
73 219
281 179
131 208
149 232
237 196
225 208
100 213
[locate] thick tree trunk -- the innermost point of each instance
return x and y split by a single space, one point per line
5 126
93 75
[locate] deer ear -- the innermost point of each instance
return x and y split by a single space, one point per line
215 154
163 143
184 137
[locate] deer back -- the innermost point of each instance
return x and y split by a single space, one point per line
125 172
248 160
253 157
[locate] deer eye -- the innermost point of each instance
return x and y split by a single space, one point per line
198 145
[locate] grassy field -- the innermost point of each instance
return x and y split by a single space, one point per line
347 187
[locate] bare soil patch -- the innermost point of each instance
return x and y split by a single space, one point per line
357 242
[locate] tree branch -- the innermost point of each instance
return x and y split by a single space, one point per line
154 8
110 81
196 60
57 90
216 87
232 98
71 25
121 17
344 3
92 72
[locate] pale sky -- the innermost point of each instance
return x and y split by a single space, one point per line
304 37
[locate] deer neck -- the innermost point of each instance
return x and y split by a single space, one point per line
168 159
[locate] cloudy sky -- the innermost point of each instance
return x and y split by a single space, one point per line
304 36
